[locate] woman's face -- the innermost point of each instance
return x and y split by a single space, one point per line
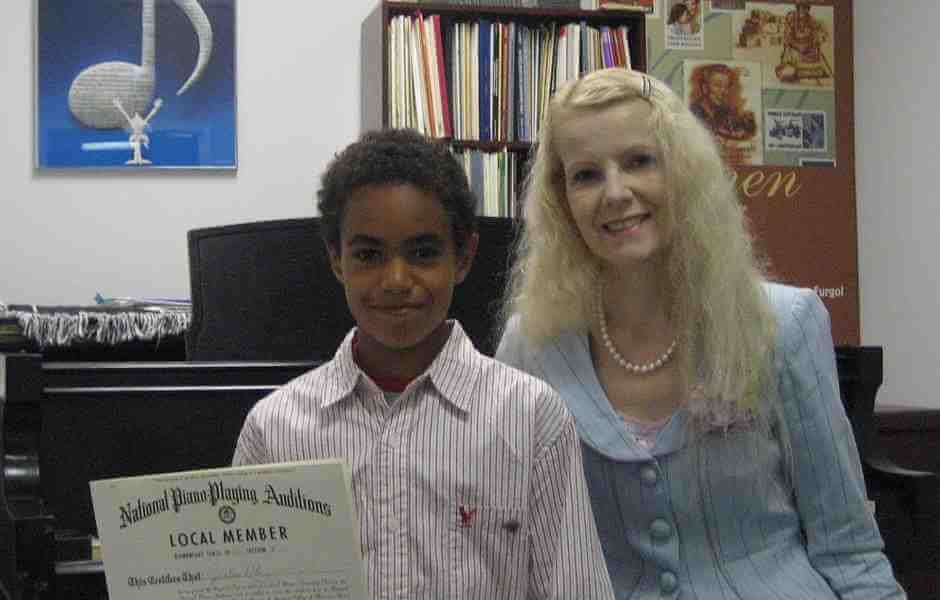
717 86
614 183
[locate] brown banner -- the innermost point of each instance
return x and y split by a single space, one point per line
774 81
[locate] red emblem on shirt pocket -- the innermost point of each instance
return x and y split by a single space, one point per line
466 515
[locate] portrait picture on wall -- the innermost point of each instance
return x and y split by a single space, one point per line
135 84
726 97
684 25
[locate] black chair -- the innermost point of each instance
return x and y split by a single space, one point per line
907 502
265 291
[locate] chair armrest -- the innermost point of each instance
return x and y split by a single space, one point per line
888 471
908 511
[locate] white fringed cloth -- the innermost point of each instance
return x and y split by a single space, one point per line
55 327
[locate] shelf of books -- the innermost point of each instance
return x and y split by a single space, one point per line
480 77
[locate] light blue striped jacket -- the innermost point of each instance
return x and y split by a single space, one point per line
717 518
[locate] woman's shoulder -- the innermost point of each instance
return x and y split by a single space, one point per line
802 319
557 360
516 342
793 304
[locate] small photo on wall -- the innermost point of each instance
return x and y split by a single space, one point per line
826 163
648 6
792 130
793 42
726 5
683 24
135 85
726 97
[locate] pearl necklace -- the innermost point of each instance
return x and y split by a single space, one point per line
626 364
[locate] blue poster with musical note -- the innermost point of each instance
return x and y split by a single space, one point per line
135 84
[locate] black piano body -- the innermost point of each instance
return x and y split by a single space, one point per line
63 424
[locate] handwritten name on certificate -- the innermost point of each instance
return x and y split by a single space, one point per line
276 532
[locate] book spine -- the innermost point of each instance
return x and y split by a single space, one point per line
427 82
484 66
522 81
625 41
474 77
443 72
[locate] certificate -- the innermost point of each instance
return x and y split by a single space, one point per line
267 531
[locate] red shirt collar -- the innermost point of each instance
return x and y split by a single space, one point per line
386 383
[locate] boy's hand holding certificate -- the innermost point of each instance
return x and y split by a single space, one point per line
279 531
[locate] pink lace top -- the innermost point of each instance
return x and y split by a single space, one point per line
645 432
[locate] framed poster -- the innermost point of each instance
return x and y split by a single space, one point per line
773 82
135 84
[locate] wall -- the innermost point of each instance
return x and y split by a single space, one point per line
896 144
65 236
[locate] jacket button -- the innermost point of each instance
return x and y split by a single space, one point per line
660 529
649 476
668 582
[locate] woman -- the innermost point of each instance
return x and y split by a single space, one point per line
719 458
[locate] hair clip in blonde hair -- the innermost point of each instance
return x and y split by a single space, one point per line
647 90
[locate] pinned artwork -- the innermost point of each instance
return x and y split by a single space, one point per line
794 42
684 25
765 85
791 130
136 84
726 96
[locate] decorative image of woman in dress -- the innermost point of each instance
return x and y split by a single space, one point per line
802 57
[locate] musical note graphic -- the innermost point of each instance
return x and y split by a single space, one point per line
93 92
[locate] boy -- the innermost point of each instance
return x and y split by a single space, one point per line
466 473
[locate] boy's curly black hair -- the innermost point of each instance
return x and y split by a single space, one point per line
390 157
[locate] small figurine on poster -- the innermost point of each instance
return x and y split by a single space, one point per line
136 126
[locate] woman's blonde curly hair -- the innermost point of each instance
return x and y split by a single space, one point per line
724 324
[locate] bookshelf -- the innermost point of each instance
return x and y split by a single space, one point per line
482 77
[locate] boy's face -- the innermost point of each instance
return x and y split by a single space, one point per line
398 264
